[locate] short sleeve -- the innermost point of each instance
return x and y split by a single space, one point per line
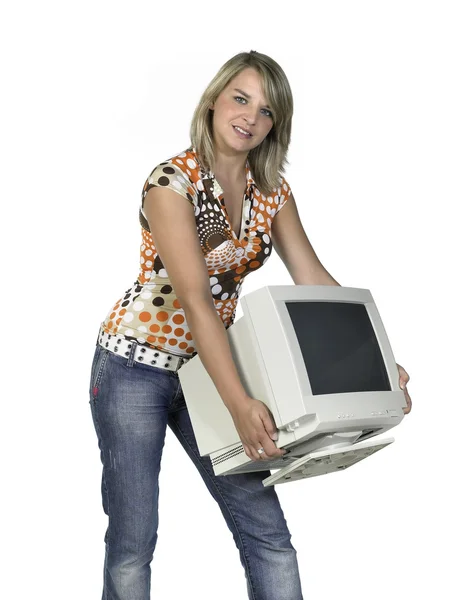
283 193
168 175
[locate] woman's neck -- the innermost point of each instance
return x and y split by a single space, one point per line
230 167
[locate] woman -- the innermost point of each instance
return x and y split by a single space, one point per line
196 251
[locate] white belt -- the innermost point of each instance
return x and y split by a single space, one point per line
147 356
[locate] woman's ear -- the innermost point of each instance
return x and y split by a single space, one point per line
212 106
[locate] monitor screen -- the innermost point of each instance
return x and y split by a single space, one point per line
339 347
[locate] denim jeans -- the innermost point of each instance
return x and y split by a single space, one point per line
131 405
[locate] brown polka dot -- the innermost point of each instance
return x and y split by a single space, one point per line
188 335
173 342
145 316
154 328
190 350
254 264
243 261
163 181
182 345
179 332
240 269
166 329
178 319
162 316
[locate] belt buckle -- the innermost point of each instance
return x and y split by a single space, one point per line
181 362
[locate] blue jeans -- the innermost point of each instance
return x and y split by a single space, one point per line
131 405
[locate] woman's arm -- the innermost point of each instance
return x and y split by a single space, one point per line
172 223
295 250
174 232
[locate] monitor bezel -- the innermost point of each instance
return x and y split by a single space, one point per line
267 311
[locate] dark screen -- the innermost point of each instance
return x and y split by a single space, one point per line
339 347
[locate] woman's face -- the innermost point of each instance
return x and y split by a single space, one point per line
241 104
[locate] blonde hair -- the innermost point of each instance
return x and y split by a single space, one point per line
267 161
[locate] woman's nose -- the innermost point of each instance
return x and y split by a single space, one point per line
251 114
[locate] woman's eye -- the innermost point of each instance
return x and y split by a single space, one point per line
267 112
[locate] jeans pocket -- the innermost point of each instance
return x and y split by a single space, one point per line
97 370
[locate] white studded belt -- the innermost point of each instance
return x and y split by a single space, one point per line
146 356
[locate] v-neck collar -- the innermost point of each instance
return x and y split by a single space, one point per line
218 191
209 174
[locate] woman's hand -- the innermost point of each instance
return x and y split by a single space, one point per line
255 426
404 379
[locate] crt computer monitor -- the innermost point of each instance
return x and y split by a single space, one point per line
319 358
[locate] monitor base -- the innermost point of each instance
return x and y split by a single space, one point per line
326 461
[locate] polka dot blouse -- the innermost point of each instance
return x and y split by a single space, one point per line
149 311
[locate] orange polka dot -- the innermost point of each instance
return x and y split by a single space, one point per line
254 264
173 342
109 325
179 332
237 278
166 329
162 316
176 303
188 335
145 316
122 312
190 350
182 345
112 315
151 339
251 255
154 328
240 269
178 319
162 340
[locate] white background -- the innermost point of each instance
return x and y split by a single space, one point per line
382 165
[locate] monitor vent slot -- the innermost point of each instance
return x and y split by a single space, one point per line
252 465
228 454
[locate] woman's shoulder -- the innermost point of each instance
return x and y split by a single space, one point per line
181 165
180 172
